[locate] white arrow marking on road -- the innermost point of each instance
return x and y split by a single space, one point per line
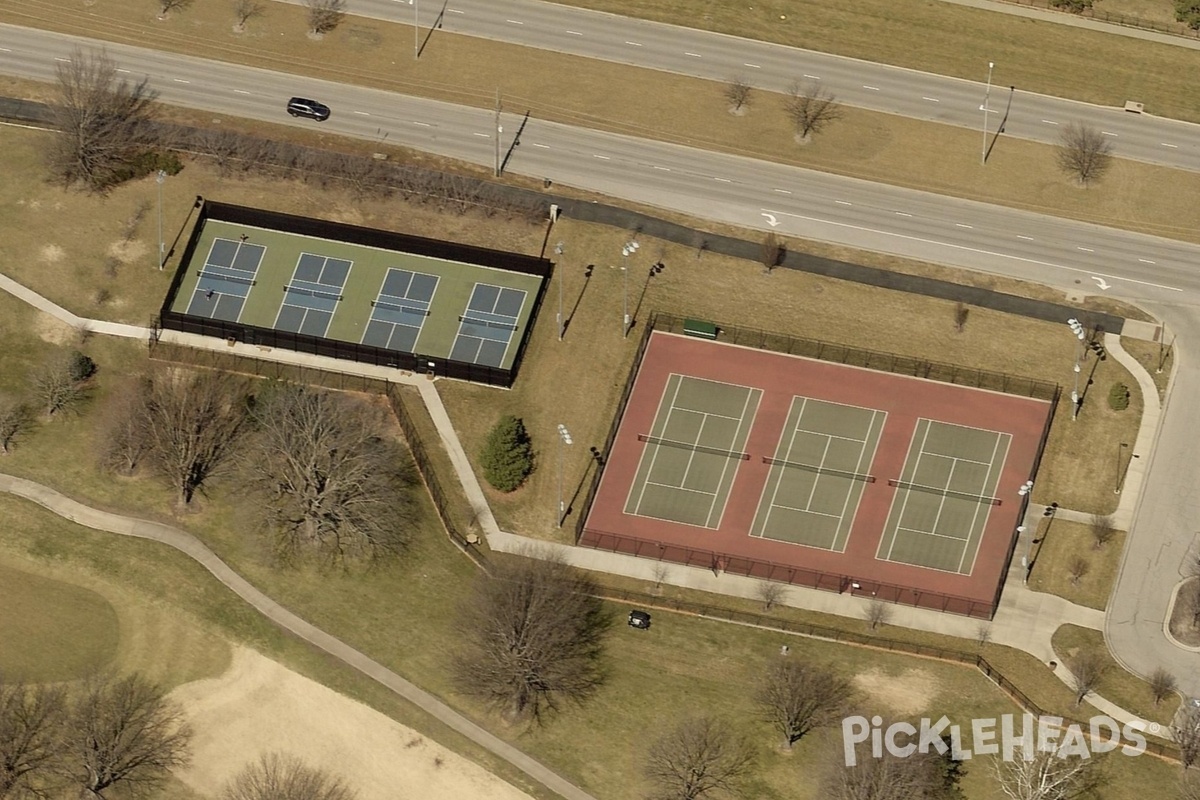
1103 284
771 219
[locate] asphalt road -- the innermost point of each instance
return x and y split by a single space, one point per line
1159 273
878 87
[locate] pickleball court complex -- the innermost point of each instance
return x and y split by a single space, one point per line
759 463
423 305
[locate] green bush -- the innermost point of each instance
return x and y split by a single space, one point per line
507 456
80 367
1074 6
1118 397
147 162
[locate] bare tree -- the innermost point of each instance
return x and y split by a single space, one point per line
771 593
1189 786
1162 685
1102 528
165 7
15 421
31 724
738 92
797 697
661 572
774 250
1078 566
333 484
124 440
56 386
1084 152
102 119
324 15
1088 668
194 423
961 312
123 731
533 635
921 776
811 107
699 757
1047 776
1186 731
283 777
878 613
983 634
246 10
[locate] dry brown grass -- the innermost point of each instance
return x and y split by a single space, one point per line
1062 540
1158 359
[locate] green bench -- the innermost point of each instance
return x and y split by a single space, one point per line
698 327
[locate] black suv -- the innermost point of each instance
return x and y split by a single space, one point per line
299 107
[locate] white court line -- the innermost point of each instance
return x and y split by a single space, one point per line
757 393
908 493
762 531
637 508
979 506
675 488
859 467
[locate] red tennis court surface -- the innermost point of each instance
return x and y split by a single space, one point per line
849 479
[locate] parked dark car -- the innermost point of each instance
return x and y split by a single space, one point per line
639 619
300 107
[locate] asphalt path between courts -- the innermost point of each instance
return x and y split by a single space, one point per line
773 67
1159 274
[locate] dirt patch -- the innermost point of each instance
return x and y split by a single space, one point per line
52 330
906 694
259 706
128 252
51 254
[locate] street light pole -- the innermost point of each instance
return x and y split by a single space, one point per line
986 98
416 31
558 250
629 249
1024 492
1081 335
1120 475
564 439
159 179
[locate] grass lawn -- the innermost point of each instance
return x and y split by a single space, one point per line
1156 11
866 145
1158 360
1061 541
67 631
576 382
1123 688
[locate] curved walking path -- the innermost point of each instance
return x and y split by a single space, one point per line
186 543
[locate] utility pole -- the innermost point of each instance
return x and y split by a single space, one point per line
416 31
162 246
499 130
986 110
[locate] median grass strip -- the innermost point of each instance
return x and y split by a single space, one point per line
1116 684
1061 542
604 95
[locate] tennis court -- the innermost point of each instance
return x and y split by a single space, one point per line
944 496
692 451
818 473
310 298
486 327
399 311
229 273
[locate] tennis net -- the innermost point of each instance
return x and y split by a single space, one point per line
223 277
488 323
696 447
975 498
839 473
313 293
424 312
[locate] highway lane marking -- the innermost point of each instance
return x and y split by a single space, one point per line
813 77
543 146
752 66
693 55
634 44
5 50
63 60
872 88
123 70
455 11
363 113
663 169
1147 261
843 202
1026 238
1165 144
240 91
423 124
1108 133
963 225
605 158
181 80
484 135
968 249
931 99
722 180
903 213
575 33
1085 249
1049 122
781 191
514 22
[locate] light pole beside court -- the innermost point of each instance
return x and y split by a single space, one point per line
629 249
558 251
986 98
1024 492
564 439
1081 335
162 255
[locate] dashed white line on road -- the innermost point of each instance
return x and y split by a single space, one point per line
240 91
125 71
1026 238
1147 261
1108 133
782 191
903 213
422 124
722 180
813 77
181 80
843 202
931 99
1085 249
484 135
455 11
872 88
963 225
363 113
63 60
5 50
752 66
694 55
575 33
1049 122
663 169
634 44
543 146
604 158
514 22
1168 144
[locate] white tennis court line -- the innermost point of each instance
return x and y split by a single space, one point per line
679 488
860 468
806 511
737 436
930 533
908 494
762 531
379 295
637 508
1007 439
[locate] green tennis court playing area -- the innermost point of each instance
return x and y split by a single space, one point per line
818 473
944 496
693 450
